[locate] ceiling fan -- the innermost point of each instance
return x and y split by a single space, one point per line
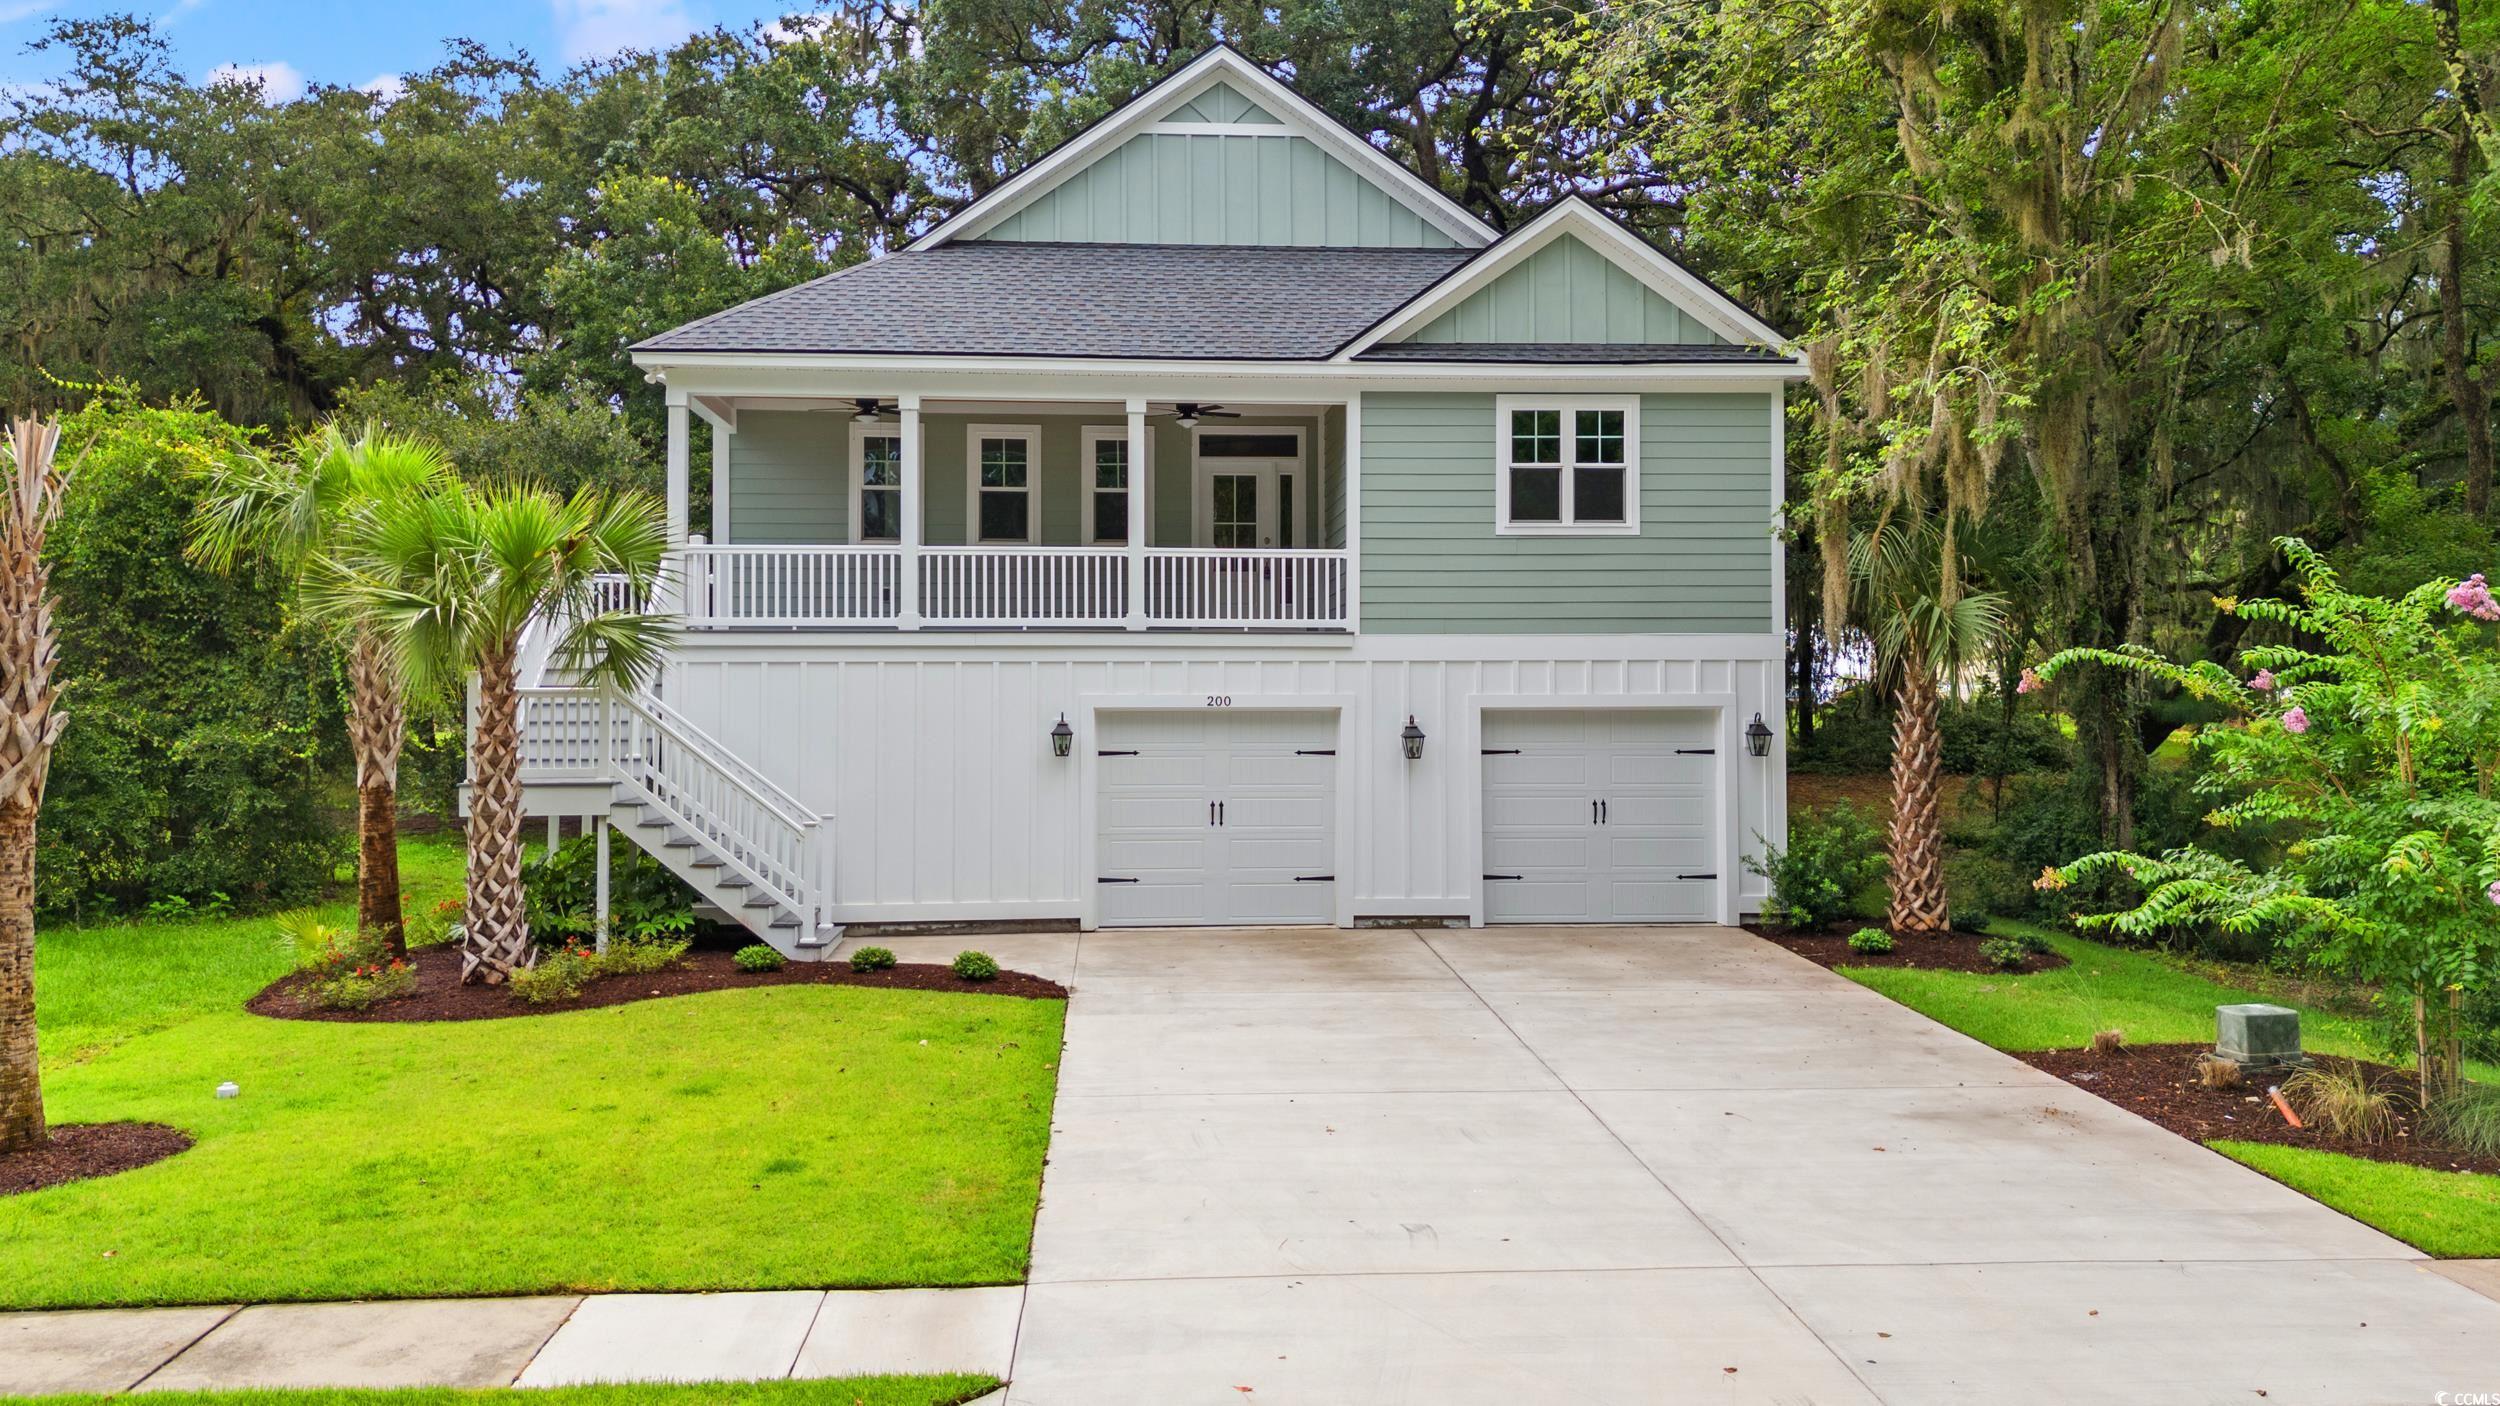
870 408
1188 413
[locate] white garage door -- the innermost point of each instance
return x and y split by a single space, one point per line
1600 816
1211 816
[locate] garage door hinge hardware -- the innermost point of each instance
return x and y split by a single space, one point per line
1490 877
1697 876
1697 751
1315 878
1115 881
1501 751
1115 754
1315 751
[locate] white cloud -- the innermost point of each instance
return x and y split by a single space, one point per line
168 19
791 29
26 10
595 29
386 86
280 82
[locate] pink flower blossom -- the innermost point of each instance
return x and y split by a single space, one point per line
2493 893
2030 683
2473 596
2263 681
2296 721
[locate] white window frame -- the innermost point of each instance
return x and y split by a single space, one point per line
1087 438
1201 504
1569 526
1032 490
860 431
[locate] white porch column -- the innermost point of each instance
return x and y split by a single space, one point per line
680 466
907 601
1354 510
599 827
720 482
1140 471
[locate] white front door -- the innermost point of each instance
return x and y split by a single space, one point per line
1215 817
1600 816
1250 504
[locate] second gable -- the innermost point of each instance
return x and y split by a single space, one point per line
1566 292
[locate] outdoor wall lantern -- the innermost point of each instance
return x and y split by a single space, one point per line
1062 737
1758 737
1412 739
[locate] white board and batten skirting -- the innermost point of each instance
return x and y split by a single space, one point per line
1261 779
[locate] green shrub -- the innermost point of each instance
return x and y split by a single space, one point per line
2007 952
1872 941
362 988
872 959
344 971
639 956
976 966
756 957
1830 858
2467 1119
645 900
1979 887
2342 1102
558 976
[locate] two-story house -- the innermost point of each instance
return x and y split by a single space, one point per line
1214 524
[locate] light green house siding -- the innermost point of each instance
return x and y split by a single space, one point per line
1565 292
1176 188
785 478
1701 563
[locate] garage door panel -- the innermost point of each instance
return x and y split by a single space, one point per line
1658 821
1534 811
1151 813
1566 853
1534 900
1680 813
1276 783
1664 902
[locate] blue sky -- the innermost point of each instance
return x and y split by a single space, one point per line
365 42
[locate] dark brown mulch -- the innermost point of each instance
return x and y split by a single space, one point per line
440 996
78 1151
1954 952
2158 1082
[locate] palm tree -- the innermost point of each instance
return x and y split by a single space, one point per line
29 725
1907 587
448 582
285 512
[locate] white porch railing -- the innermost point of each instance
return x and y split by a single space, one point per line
756 829
1218 588
780 586
1010 586
560 735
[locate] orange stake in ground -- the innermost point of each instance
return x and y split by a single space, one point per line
2282 1105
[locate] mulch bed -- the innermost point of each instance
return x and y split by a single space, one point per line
440 996
78 1151
1954 952
2158 1082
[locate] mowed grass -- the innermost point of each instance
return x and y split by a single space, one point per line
829 1391
2450 1214
773 1138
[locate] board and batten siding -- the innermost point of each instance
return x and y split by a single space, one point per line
1217 188
1566 292
1701 564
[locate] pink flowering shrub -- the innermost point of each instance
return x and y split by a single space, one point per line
2369 804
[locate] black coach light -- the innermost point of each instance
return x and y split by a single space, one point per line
1758 737
1412 738
1062 737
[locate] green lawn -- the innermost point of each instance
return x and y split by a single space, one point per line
831 1391
2155 1001
775 1138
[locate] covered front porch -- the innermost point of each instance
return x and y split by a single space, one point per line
908 512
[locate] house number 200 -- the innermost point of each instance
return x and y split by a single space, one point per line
1219 700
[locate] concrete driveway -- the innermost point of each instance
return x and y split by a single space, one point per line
1649 1165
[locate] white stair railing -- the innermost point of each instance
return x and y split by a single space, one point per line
757 830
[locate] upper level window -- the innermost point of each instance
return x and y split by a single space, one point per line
1004 462
876 483
1568 465
1106 469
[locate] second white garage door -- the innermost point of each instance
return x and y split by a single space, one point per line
1216 816
1600 816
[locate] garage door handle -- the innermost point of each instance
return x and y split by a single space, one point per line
1115 754
1315 751
1697 751
1697 876
1118 881
1315 878
1501 751
1491 877
1605 812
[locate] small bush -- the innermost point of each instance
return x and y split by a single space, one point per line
756 957
976 966
1872 941
2342 1103
1978 888
2006 952
2468 1119
639 956
346 972
1830 858
2109 1042
559 976
873 959
362 988
2215 1072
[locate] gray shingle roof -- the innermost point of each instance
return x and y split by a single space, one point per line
1571 353
979 298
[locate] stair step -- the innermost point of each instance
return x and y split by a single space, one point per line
678 839
706 861
732 882
784 921
760 901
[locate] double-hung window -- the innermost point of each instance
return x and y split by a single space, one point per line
877 483
1004 464
1105 468
1567 465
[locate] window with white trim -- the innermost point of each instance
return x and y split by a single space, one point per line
1567 465
1105 467
876 482
1003 463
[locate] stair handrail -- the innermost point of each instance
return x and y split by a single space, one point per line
786 868
720 754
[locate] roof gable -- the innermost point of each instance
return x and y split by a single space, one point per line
1195 140
1571 276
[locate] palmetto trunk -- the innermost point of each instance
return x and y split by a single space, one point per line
496 937
29 725
1918 895
375 726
